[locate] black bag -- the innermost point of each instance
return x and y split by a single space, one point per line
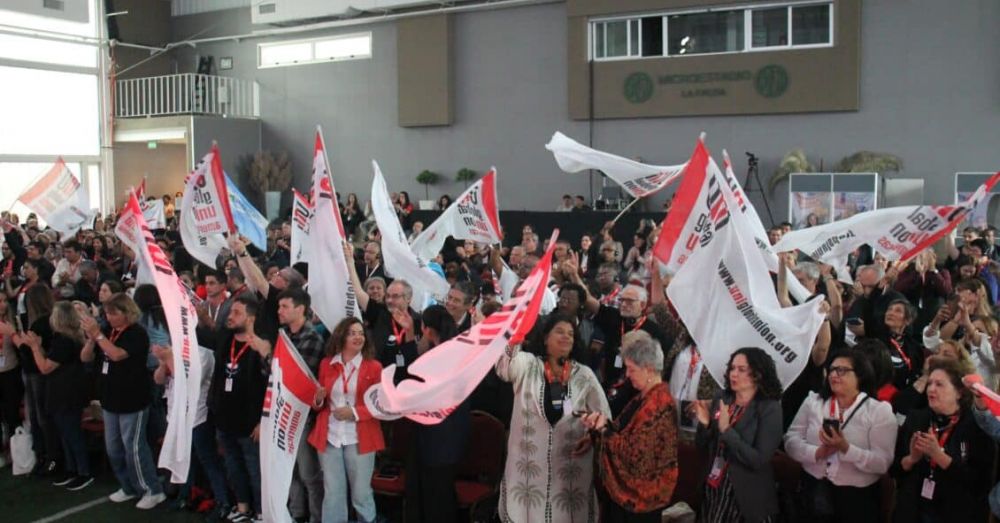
815 499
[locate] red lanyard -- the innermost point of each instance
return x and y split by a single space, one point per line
638 324
695 358
234 357
610 298
834 411
944 434
899 349
397 333
115 334
347 377
565 373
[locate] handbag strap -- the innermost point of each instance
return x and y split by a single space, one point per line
853 412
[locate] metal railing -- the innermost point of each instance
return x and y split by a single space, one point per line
187 94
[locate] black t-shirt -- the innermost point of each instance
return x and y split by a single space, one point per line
44 331
610 320
125 387
266 325
378 319
237 411
66 386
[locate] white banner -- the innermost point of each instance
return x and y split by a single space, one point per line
898 233
400 261
181 321
450 371
204 213
59 200
333 296
152 211
473 216
638 179
726 282
290 392
301 216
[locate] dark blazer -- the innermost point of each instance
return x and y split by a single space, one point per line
749 446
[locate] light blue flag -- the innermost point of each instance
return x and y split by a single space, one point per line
248 220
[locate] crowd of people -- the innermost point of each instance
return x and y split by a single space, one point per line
610 412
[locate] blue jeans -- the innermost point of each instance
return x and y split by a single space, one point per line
73 443
205 449
243 466
129 453
343 466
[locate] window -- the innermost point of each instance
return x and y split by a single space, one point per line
732 30
342 47
49 113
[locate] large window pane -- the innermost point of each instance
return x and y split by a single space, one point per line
16 177
705 32
48 112
770 27
55 25
285 54
47 51
357 46
599 40
652 36
617 38
811 24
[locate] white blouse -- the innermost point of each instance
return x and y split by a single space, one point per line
342 433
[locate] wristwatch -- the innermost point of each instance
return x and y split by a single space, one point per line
99 337
244 254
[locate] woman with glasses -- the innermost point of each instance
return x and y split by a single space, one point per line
844 439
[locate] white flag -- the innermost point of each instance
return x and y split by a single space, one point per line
152 211
59 200
290 392
638 179
450 371
898 233
333 295
400 261
181 321
301 216
473 216
725 282
205 213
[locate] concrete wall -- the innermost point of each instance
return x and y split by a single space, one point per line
930 93
163 167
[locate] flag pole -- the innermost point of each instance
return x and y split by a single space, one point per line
627 207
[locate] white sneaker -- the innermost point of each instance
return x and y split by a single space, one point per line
150 500
120 496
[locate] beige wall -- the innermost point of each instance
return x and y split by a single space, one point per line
164 167
425 71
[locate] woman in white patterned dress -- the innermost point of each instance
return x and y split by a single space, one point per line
549 472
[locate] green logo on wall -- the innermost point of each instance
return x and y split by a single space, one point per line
771 81
638 88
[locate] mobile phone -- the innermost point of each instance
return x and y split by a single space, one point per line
854 320
580 413
830 426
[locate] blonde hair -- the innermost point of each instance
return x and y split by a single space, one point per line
123 304
964 360
65 320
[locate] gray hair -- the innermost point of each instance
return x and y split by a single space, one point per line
873 267
293 277
808 269
643 295
641 349
407 288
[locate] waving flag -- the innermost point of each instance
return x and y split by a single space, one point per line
898 233
301 215
59 200
449 372
181 321
247 219
205 212
638 179
290 392
473 216
400 261
333 295
725 281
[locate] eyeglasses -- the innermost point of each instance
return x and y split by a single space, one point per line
840 371
628 300
395 296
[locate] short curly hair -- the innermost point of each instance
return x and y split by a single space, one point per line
762 371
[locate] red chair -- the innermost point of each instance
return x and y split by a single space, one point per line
479 473
390 477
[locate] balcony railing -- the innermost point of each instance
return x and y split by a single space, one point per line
187 94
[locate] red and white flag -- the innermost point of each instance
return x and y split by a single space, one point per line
152 210
333 295
59 200
473 216
400 260
205 214
301 215
898 233
638 179
290 392
181 321
725 281
449 372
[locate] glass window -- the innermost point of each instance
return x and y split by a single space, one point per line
285 54
355 46
770 27
633 37
652 36
599 40
811 24
698 33
47 51
56 25
617 39
49 112
18 177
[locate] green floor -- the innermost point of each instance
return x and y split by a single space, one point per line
24 499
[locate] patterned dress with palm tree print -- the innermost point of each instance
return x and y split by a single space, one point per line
542 481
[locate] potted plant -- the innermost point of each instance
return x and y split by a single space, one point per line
268 176
427 178
466 175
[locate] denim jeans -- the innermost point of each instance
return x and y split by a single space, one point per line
343 466
73 443
44 438
129 453
205 449
243 466
306 493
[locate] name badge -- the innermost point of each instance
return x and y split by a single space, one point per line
927 492
716 473
558 394
618 361
400 361
105 366
3 360
232 370
229 384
